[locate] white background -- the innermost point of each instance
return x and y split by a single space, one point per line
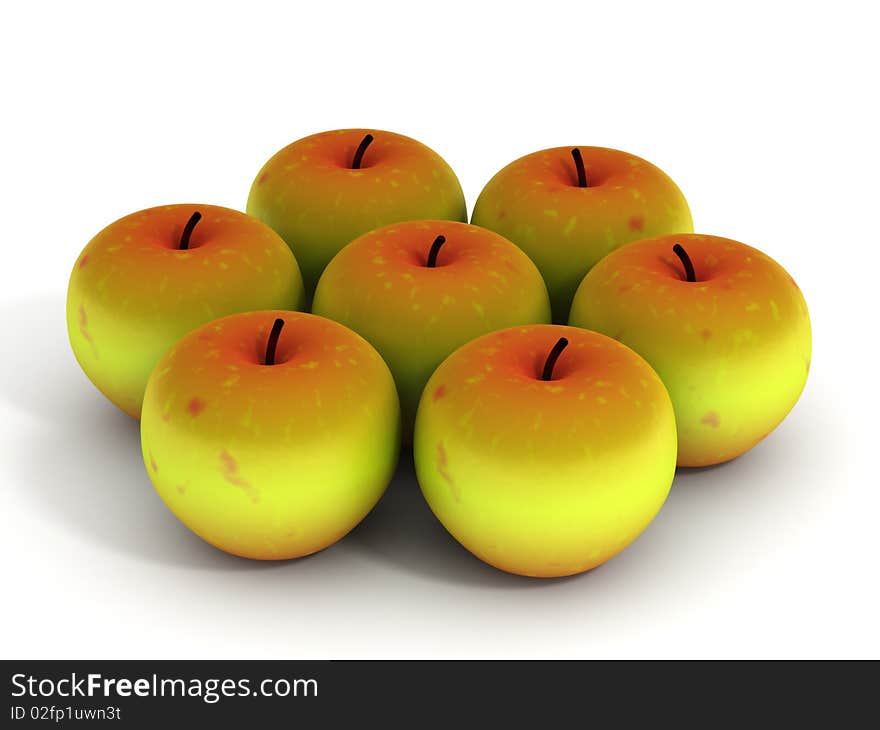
764 113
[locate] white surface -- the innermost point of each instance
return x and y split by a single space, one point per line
764 114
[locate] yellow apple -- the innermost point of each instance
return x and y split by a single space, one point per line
545 450
152 276
271 434
418 290
723 324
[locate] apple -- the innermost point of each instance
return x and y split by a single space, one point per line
545 450
152 276
418 290
567 208
723 324
271 434
323 191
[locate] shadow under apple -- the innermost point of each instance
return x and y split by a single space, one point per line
403 531
80 459
80 464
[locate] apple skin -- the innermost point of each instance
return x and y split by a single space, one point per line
414 315
565 229
271 461
133 293
545 478
310 194
732 347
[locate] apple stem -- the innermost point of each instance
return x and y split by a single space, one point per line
272 342
560 345
435 249
689 273
359 152
188 229
579 164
